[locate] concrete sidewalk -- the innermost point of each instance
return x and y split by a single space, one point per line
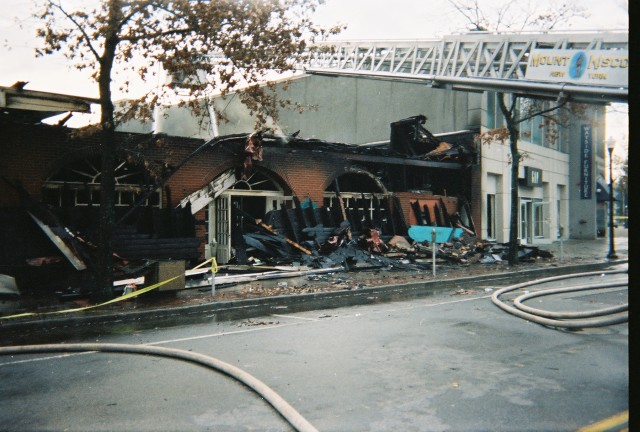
591 250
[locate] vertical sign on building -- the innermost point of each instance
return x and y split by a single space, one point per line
585 162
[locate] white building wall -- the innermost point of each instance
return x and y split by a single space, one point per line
561 177
496 179
341 109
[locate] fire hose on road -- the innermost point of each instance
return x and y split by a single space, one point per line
283 408
565 319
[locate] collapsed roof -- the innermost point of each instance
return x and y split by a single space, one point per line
409 144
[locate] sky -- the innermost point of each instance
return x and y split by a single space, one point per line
365 19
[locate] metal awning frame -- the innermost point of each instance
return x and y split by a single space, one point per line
590 94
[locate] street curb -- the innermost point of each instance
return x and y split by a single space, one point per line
47 328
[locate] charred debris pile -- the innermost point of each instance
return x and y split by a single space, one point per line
327 237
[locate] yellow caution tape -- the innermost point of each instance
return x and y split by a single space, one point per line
214 265
115 300
214 269
212 260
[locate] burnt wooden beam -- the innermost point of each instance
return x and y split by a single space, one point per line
288 224
364 203
401 224
355 218
415 207
427 214
302 221
445 215
467 207
337 213
391 220
342 207
377 215
438 215
209 144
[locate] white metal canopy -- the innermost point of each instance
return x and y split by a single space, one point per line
477 61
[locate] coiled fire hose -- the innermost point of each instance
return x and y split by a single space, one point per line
564 319
285 410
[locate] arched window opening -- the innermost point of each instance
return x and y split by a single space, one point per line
257 182
79 185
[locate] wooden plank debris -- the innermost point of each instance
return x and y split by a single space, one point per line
202 197
59 241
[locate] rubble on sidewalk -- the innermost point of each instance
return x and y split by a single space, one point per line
321 246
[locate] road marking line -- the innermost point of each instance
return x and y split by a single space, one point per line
295 317
211 335
45 358
607 424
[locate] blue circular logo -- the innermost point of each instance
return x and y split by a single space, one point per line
578 65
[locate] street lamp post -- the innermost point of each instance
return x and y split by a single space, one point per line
612 250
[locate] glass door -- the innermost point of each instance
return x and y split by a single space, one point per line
538 222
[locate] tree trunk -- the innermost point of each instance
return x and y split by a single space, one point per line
515 198
104 274
104 261
512 255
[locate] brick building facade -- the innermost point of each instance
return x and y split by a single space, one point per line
60 167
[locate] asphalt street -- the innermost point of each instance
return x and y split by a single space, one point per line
452 361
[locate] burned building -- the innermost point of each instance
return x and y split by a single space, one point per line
301 185
234 197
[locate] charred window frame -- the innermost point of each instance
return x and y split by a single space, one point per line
79 185
363 202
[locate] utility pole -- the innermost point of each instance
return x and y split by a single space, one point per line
612 250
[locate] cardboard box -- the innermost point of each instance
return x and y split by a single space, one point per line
166 269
